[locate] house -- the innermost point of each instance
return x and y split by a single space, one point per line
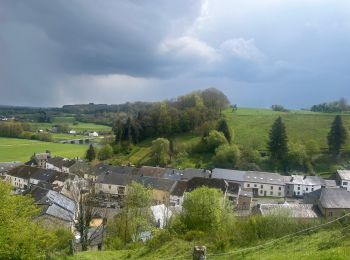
161 214
186 174
230 190
72 132
298 185
19 176
177 193
161 188
262 183
56 209
332 202
112 180
343 178
60 164
39 159
293 210
93 134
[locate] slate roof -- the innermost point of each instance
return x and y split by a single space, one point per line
198 182
45 175
179 188
174 174
101 169
23 171
264 177
230 175
294 210
6 166
306 180
335 198
152 171
61 162
156 183
115 178
186 174
38 192
58 205
344 174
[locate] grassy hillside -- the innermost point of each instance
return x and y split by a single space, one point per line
325 244
12 149
251 128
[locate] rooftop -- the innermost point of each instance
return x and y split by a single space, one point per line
61 162
294 210
306 180
335 198
344 174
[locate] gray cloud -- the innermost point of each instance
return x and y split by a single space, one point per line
259 52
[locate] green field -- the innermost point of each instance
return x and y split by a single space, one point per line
80 127
12 149
325 244
251 126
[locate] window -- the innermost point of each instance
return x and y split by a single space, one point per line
312 189
271 193
261 191
298 188
298 193
345 183
109 186
262 186
307 189
279 188
255 185
248 185
330 214
271 187
279 194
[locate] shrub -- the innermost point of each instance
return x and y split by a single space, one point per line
226 156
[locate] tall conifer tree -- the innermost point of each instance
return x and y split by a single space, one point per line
337 136
278 143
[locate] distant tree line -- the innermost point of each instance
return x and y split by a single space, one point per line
332 107
22 130
279 108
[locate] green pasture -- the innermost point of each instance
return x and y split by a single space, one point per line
12 149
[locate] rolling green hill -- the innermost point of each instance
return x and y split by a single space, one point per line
251 128
325 244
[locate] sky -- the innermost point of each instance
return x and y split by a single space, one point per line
258 52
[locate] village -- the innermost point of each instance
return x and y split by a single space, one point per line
57 185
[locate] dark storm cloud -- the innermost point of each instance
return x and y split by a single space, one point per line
258 52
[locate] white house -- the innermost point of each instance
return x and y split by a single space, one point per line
262 184
343 177
93 134
299 185
72 132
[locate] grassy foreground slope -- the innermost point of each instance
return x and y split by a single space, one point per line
12 149
326 244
